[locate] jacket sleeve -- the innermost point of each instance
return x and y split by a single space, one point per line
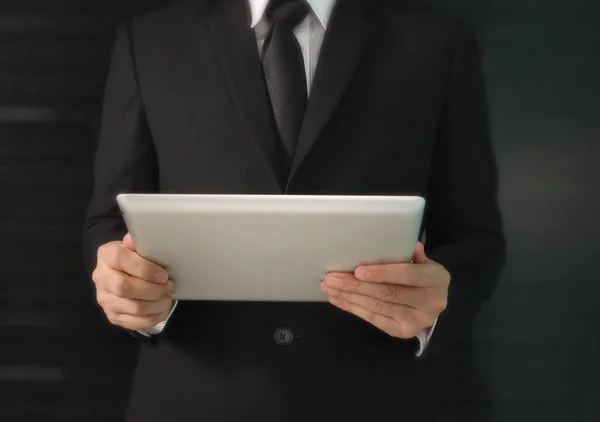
125 158
463 226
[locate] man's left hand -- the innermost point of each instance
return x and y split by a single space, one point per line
400 299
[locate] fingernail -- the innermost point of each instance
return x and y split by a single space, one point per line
170 287
328 290
333 281
362 273
162 276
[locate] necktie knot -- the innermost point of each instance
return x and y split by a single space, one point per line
290 12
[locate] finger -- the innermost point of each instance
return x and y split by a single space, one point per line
425 298
125 286
419 256
116 256
380 306
388 325
118 305
415 275
132 322
404 314
381 291
128 242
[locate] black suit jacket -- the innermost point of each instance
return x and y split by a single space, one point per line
397 108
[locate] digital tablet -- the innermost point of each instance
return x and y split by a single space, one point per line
268 247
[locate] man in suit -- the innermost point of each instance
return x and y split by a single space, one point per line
361 97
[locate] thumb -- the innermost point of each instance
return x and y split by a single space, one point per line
419 256
128 242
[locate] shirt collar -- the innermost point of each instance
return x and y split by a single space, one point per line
321 8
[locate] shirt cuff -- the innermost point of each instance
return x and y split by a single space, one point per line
158 328
424 336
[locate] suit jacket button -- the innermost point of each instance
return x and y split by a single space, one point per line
283 336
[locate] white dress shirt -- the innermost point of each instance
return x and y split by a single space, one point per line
310 33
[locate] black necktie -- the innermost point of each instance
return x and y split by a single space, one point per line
283 66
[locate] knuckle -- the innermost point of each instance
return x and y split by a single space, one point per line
347 296
101 252
387 292
157 293
166 305
405 330
436 304
131 326
96 276
100 298
111 255
120 285
134 307
149 292
112 318
148 270
447 276
159 318
441 305
379 305
409 331
150 320
427 320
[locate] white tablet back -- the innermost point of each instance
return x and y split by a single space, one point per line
268 247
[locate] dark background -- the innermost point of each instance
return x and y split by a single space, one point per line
538 339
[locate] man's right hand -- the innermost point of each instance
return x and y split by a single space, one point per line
133 292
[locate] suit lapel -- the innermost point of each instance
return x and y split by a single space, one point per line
346 39
236 46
